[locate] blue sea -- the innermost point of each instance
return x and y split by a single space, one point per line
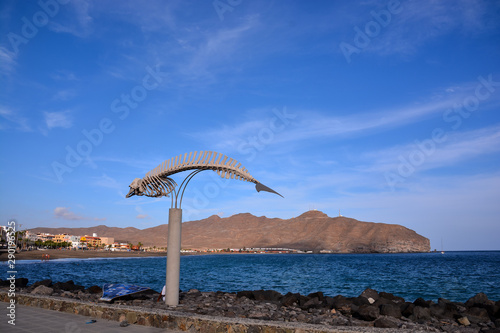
456 276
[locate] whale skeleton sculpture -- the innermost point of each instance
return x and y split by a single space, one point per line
157 182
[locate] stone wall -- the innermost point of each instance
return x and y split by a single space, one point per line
171 319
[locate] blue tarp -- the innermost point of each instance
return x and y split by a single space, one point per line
114 290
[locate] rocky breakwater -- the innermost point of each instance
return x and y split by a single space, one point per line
370 309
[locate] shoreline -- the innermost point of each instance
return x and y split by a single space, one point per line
264 310
80 254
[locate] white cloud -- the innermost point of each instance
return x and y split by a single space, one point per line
20 122
7 60
58 119
453 149
78 24
422 21
66 214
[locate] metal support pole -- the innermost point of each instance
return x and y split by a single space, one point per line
173 256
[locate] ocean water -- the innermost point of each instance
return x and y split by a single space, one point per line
456 276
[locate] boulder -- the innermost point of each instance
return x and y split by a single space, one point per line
46 283
343 305
391 297
420 314
21 282
267 295
94 290
289 299
367 312
391 310
245 293
313 303
479 300
407 309
318 294
463 321
422 302
67 286
370 293
386 322
360 300
42 290
478 315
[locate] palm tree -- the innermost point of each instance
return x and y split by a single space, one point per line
139 245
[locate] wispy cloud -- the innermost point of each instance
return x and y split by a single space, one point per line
20 123
423 21
310 124
455 148
60 119
66 214
7 60
78 24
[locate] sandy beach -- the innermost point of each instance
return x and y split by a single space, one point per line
59 254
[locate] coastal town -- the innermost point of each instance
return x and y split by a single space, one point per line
28 241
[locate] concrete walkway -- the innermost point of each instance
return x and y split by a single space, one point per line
37 320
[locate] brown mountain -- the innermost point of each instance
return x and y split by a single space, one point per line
312 230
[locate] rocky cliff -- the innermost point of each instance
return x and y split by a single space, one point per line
312 230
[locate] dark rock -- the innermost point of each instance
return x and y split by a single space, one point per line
360 300
407 309
46 283
422 302
67 286
479 300
478 315
94 290
328 302
21 282
385 322
438 311
289 299
367 312
420 313
313 303
391 310
391 297
267 295
245 293
344 305
318 294
370 293
382 301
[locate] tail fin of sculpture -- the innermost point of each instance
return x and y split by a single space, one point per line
261 187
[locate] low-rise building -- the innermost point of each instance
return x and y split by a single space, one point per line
91 241
107 240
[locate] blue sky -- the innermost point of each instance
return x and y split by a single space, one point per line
386 110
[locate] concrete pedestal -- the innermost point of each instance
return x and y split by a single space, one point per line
173 256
